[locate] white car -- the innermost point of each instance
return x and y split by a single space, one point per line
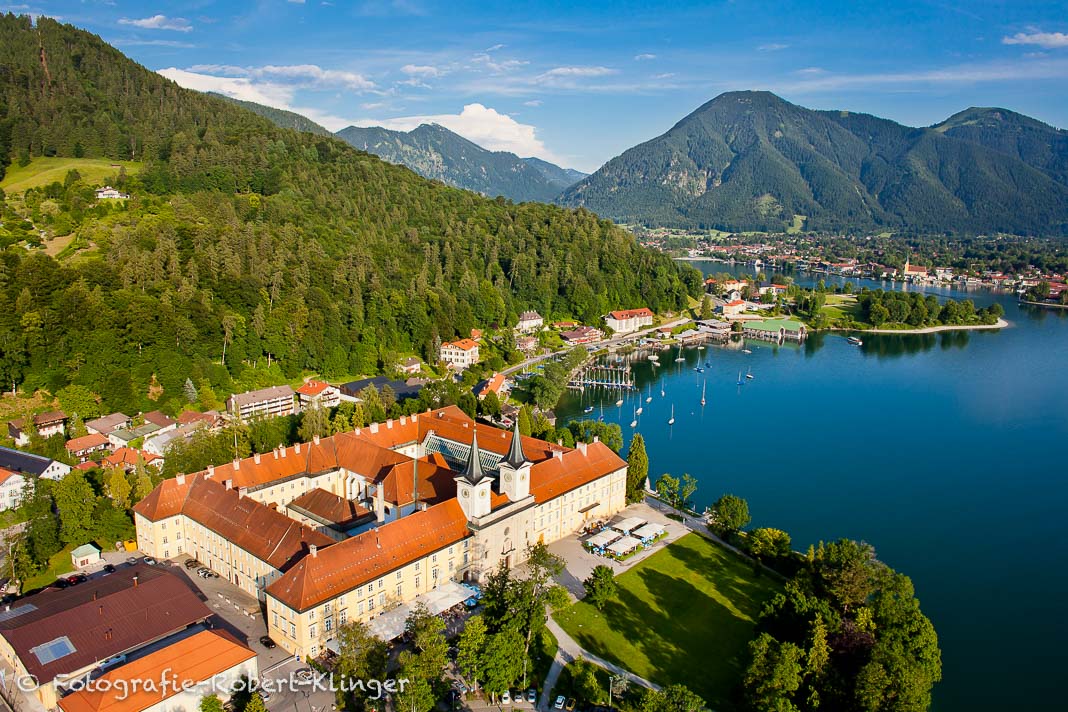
506 697
559 704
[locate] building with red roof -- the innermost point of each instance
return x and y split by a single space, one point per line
628 320
460 354
319 394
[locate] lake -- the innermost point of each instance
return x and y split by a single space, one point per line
947 452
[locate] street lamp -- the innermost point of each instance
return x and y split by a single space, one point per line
612 680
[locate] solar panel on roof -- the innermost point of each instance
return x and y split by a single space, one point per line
16 612
53 650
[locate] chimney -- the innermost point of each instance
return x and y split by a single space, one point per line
237 464
94 595
465 423
296 448
180 478
581 447
283 451
389 424
358 431
242 491
558 454
135 581
256 458
315 439
374 428
275 453
100 610
228 484
107 634
313 550
597 438
404 420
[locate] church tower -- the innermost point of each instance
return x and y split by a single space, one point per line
473 486
515 470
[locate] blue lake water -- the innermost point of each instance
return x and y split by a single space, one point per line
948 452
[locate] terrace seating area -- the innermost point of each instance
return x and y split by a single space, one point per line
619 540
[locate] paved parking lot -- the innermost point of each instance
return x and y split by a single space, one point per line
579 563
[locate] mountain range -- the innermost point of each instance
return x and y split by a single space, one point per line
753 161
437 153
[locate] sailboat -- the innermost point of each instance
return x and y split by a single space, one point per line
703 392
634 423
671 420
662 394
654 358
649 398
679 358
588 409
640 408
740 381
748 374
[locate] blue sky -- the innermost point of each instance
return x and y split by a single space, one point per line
578 83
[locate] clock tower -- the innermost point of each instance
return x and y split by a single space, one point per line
515 470
473 487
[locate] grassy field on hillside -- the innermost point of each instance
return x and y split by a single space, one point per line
685 614
45 170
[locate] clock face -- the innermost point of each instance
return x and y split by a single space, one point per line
484 493
464 492
508 477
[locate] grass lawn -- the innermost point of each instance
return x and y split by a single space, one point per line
841 307
45 170
58 565
685 615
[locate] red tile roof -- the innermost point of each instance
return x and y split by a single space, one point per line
86 442
157 417
631 313
313 388
265 533
129 456
330 507
464 344
365 557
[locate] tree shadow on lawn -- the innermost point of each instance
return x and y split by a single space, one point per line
685 634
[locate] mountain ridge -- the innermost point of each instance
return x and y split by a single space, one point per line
438 153
752 161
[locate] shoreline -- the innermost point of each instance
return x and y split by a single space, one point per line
1048 305
1001 324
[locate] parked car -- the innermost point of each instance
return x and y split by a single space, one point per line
532 695
192 564
265 641
109 568
305 674
150 561
570 704
131 560
559 704
506 697
73 580
61 583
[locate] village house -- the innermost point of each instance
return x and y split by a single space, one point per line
44 424
32 466
318 394
494 385
210 419
410 366
270 402
530 321
129 458
84 556
109 193
108 424
627 320
161 441
582 335
527 344
85 447
12 488
459 354
732 308
126 437
161 420
446 500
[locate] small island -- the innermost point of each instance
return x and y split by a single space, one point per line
893 312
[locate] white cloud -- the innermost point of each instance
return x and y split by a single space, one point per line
159 22
811 71
309 76
960 74
578 72
494 48
483 125
243 88
496 67
772 47
532 102
1049 40
644 56
421 70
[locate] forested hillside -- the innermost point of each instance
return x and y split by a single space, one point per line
263 243
752 161
279 117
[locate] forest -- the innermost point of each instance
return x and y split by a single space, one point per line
249 254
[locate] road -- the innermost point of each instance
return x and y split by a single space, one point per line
597 345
